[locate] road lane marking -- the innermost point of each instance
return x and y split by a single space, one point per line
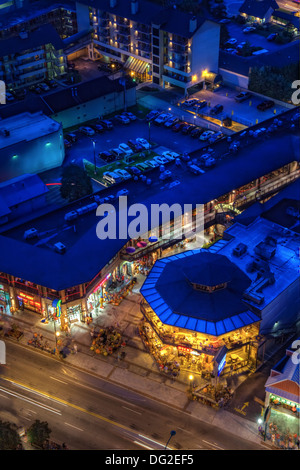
143 445
184 430
58 380
32 402
133 411
211 444
7 398
75 427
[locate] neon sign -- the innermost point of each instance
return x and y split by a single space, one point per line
221 365
102 282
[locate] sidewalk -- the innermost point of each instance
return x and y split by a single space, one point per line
138 371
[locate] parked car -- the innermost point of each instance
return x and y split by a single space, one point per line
230 50
178 126
249 29
171 122
135 146
51 83
196 132
206 135
258 132
217 136
87 130
264 105
185 157
126 149
44 87
123 192
143 142
9 97
97 128
123 173
71 137
231 41
201 104
153 114
207 160
244 95
165 175
142 166
67 143
162 118
161 160
217 109
188 129
111 177
151 163
133 170
195 169
272 36
122 119
170 155
107 156
117 153
108 125
20 94
130 116
35 89
191 102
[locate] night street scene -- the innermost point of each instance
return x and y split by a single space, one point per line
149 228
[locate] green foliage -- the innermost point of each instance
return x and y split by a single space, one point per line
75 183
274 82
38 433
9 437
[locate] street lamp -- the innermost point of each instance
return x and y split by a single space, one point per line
94 148
172 433
191 378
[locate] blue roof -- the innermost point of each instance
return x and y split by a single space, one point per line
177 303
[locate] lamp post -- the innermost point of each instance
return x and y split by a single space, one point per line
94 149
191 378
172 433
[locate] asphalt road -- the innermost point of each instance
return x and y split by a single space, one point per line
88 413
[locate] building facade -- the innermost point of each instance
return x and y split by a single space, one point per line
166 47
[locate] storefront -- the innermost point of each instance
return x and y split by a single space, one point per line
190 315
28 301
74 313
5 303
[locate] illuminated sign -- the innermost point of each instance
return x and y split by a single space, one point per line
221 365
102 282
25 296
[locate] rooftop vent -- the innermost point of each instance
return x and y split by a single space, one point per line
134 6
193 24
60 247
23 35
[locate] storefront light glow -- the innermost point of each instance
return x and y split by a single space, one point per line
102 282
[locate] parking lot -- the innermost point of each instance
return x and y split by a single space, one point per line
244 112
110 139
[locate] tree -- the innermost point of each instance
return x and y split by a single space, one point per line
38 433
75 183
9 437
224 35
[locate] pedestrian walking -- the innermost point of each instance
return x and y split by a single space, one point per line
75 348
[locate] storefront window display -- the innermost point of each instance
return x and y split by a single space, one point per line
74 313
5 303
30 302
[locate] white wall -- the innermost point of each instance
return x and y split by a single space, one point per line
205 49
234 79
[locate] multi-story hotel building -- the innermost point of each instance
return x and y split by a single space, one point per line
165 46
31 57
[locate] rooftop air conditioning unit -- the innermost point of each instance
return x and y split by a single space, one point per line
60 247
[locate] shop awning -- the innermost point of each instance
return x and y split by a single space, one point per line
136 65
213 78
55 303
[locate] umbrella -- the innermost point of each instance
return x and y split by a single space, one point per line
153 239
130 249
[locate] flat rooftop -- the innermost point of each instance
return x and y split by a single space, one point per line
25 127
284 264
36 261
